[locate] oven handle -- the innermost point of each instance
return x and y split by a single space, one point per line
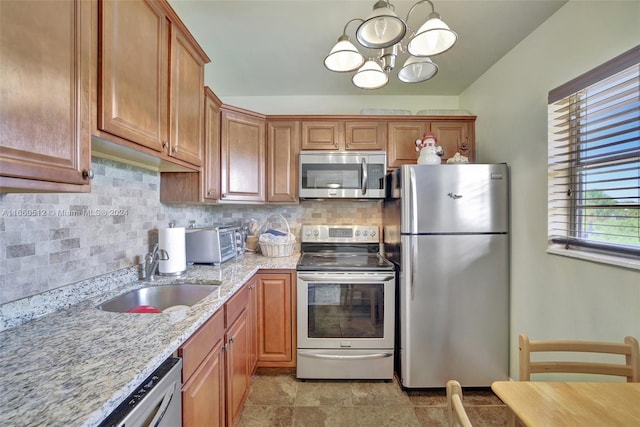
337 278
348 357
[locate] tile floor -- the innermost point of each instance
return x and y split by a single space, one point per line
281 400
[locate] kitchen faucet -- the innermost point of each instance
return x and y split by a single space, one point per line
151 261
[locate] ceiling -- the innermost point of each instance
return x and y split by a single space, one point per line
277 48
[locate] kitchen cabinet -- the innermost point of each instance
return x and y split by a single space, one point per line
252 284
202 187
454 134
276 319
365 135
203 375
238 358
322 135
45 121
150 79
283 147
242 156
343 135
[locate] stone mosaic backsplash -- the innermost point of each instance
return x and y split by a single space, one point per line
49 240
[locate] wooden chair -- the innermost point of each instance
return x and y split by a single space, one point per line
630 369
457 414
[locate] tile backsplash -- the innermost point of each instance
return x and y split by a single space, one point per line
49 240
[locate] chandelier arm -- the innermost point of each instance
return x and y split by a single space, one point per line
344 32
433 9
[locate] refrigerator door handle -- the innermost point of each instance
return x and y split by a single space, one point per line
365 176
414 262
413 201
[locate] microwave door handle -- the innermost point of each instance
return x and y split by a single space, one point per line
364 176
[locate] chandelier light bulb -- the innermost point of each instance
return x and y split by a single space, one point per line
380 27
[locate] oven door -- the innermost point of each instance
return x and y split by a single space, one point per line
346 310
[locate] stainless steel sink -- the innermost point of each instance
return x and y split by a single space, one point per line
162 297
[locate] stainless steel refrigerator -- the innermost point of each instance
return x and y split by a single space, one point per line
447 229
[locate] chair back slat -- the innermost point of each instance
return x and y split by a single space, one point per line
630 369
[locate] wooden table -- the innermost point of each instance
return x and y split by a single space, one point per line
550 404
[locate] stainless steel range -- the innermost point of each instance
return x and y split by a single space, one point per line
346 300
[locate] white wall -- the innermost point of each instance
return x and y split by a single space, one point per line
553 296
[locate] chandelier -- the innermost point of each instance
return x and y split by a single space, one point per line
385 32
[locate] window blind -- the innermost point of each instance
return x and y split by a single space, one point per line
594 159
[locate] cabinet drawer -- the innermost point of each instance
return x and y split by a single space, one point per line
200 344
236 304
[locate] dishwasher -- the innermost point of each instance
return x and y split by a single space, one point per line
156 403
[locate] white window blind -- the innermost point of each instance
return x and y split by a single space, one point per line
594 159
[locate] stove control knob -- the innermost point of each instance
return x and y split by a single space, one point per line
373 233
308 232
316 232
357 233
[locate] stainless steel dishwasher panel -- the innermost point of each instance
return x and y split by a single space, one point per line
156 403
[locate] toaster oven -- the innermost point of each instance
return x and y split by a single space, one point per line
210 245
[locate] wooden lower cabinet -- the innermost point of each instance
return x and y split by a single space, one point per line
255 328
276 319
203 375
238 371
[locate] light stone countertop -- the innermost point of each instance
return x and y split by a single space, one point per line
73 367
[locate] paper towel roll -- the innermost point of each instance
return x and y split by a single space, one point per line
172 241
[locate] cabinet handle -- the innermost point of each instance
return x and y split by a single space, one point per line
165 144
174 150
232 339
225 347
87 174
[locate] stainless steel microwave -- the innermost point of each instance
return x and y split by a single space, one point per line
342 174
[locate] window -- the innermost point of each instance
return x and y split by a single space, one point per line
594 160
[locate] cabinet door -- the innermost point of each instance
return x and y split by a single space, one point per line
455 136
253 323
275 345
242 157
45 127
238 372
322 135
133 87
187 81
402 142
203 395
365 135
211 172
283 146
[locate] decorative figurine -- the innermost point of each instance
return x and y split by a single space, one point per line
430 152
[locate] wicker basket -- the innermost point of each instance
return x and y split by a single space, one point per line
278 249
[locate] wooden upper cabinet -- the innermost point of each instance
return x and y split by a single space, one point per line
151 75
322 135
242 156
362 136
187 81
283 146
455 136
402 142
134 57
211 171
45 122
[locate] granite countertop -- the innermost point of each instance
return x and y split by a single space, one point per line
74 366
